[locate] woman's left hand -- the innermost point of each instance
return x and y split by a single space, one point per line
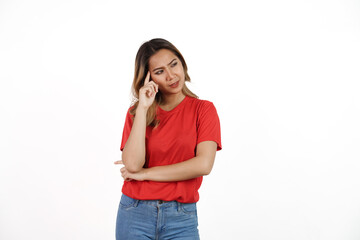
129 176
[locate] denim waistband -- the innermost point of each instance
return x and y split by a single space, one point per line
156 203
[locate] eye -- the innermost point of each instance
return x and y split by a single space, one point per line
174 64
159 72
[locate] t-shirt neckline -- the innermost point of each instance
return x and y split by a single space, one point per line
175 109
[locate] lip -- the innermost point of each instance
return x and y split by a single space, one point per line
175 84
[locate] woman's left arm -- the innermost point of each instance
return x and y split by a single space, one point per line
197 166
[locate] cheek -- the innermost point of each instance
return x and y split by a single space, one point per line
155 79
181 72
159 82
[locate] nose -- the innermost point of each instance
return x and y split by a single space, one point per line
170 74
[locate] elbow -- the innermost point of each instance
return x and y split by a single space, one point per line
133 170
131 166
207 167
206 171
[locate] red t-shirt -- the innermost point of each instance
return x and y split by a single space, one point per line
174 140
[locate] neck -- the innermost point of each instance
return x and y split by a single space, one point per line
172 100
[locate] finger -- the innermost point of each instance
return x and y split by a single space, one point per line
126 178
151 87
147 90
147 78
119 162
153 90
154 85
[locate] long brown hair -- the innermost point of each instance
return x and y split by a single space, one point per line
143 55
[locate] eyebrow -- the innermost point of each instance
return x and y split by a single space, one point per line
162 67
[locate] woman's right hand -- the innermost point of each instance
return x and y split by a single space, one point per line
147 92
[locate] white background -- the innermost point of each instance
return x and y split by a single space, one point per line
283 75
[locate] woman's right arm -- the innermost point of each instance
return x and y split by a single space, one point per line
133 154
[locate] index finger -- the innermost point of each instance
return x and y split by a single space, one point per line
118 162
147 78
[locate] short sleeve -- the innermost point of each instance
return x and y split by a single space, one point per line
208 124
127 129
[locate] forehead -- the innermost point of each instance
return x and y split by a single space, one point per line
162 58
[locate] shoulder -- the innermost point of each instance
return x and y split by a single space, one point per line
130 110
201 104
130 114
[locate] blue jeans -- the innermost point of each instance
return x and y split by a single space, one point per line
157 220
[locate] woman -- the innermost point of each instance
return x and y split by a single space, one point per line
169 142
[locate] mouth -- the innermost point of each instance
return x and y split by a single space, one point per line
174 85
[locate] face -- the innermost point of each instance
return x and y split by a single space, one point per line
167 71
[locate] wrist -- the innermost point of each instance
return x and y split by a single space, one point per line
141 109
145 173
